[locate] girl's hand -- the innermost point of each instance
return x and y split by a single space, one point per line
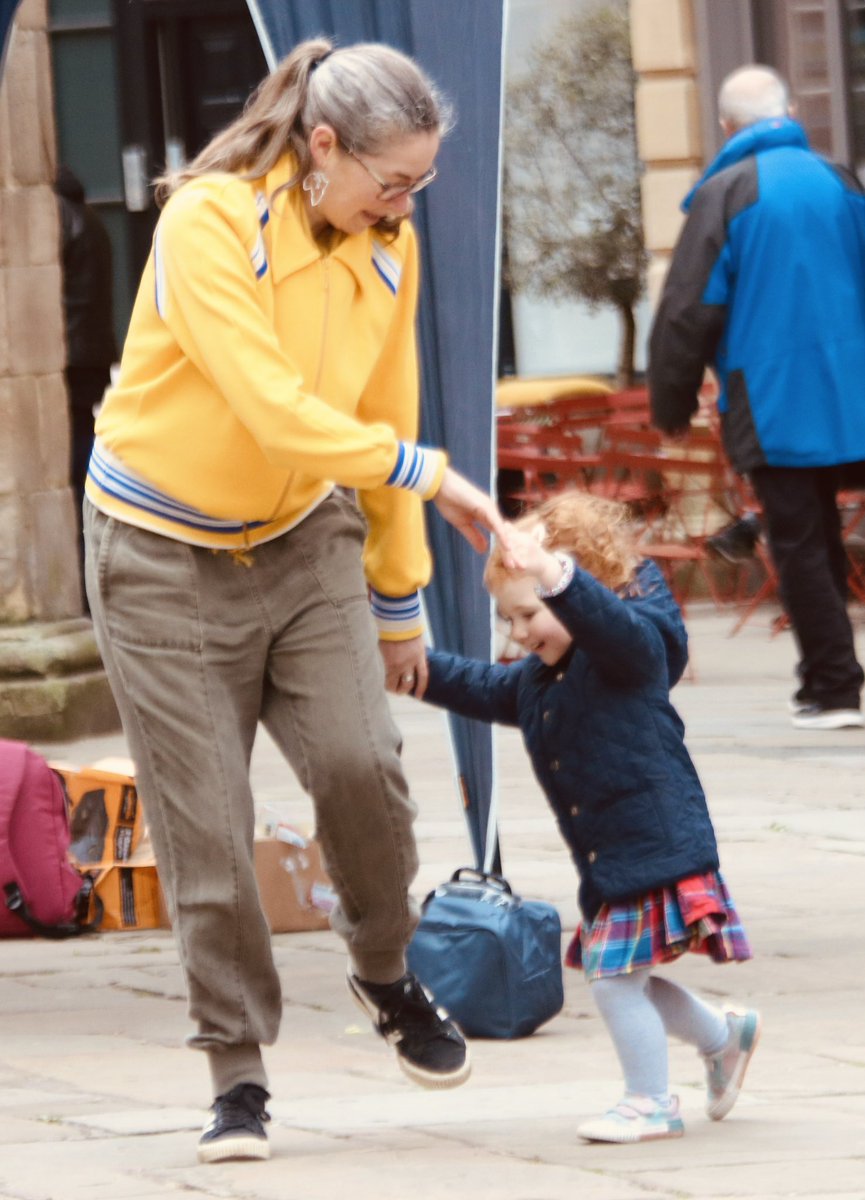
405 669
535 560
472 512
528 546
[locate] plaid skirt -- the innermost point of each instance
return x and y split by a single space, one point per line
694 914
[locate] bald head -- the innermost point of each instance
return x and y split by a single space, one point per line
750 94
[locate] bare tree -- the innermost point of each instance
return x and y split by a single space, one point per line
572 193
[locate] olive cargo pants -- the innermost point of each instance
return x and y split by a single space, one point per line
198 648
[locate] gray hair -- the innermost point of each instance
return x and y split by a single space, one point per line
369 93
372 94
752 93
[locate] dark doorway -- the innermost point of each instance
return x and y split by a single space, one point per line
186 69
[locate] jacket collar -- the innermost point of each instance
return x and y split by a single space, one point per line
762 135
293 246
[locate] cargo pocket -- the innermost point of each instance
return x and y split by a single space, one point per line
149 588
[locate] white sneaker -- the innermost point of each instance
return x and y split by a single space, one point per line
726 1071
635 1119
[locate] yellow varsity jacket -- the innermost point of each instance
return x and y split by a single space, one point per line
258 372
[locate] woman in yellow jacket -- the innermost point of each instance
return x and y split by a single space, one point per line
254 510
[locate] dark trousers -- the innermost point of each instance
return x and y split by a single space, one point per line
85 387
803 527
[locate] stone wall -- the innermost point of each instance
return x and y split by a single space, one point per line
51 681
38 564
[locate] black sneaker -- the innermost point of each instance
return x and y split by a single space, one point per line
236 1129
819 716
736 542
429 1047
799 702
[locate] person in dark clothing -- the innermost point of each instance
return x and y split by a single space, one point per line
87 306
767 286
604 642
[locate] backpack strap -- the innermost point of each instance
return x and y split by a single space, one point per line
16 903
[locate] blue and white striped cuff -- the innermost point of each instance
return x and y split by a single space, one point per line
416 468
396 616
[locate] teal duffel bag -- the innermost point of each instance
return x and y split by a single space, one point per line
492 959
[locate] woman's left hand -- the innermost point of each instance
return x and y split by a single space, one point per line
405 669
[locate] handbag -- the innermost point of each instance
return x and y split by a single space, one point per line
492 959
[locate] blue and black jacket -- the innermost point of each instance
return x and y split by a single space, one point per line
767 285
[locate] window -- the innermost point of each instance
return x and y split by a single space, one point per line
855 30
805 41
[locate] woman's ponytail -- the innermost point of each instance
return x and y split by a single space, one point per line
271 123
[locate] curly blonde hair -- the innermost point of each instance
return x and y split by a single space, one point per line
598 532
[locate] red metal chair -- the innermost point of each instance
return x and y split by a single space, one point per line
676 494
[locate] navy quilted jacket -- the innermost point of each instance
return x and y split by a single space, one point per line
605 742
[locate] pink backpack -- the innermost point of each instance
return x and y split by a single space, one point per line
40 891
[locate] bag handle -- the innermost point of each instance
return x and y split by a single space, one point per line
16 903
477 876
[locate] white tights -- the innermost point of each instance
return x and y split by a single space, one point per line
641 1010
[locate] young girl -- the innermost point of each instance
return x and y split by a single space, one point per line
605 642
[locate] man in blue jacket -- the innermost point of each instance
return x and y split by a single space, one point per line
767 286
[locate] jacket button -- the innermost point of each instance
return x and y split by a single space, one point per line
575 810
554 765
592 856
559 676
546 714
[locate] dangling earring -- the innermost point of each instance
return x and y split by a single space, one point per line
316 183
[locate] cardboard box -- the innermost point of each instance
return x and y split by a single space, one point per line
131 897
130 891
109 837
106 820
107 826
296 893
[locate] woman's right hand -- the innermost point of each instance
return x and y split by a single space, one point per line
472 512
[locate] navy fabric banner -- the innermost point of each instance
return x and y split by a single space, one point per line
459 44
7 14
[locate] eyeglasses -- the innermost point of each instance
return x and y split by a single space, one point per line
393 191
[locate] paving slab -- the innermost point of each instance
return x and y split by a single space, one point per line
100 1098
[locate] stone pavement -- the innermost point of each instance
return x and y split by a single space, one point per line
100 1100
